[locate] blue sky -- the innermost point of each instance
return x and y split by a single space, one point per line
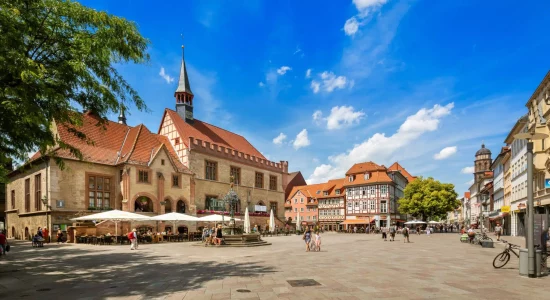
420 82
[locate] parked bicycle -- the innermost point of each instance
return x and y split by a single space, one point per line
502 258
480 237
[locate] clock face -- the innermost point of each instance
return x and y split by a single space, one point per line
189 115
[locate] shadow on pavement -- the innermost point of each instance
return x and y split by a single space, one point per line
64 272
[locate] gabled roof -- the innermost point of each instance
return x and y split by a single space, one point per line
375 177
309 191
114 143
365 167
294 179
331 187
397 167
210 133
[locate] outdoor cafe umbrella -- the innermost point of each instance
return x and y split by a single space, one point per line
174 217
114 215
414 222
246 221
434 222
214 218
271 221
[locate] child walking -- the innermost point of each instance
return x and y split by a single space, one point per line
318 241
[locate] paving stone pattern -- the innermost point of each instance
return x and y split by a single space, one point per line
350 266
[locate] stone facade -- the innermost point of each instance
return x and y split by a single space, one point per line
67 193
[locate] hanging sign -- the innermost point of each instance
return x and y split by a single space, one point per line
505 209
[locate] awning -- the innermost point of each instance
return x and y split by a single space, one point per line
356 222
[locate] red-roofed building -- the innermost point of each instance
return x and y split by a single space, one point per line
372 192
215 155
122 167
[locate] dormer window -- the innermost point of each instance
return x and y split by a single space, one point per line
318 192
337 192
367 176
325 193
350 178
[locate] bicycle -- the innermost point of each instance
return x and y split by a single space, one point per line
481 237
502 258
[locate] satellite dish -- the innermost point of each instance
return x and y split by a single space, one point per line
530 136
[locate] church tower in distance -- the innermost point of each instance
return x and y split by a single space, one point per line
183 94
482 163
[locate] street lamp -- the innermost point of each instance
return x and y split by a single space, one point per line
530 137
45 202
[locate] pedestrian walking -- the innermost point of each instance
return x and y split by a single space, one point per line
384 233
498 231
132 236
59 236
46 234
418 229
3 243
307 238
393 231
354 229
318 241
405 234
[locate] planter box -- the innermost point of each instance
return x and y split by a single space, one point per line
487 244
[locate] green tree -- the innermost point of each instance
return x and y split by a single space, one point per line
428 198
56 56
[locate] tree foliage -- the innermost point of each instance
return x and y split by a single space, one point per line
56 56
428 198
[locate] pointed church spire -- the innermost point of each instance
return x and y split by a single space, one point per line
183 82
183 94
122 116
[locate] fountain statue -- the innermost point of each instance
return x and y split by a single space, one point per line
232 199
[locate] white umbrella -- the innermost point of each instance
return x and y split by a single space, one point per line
115 216
298 221
246 221
271 221
434 222
214 218
174 217
414 222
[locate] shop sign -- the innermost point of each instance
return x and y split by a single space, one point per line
505 209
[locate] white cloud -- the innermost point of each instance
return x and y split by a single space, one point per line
279 139
298 50
165 76
351 26
308 73
329 82
282 70
301 140
317 116
467 170
364 7
340 116
379 147
315 86
469 183
261 84
445 153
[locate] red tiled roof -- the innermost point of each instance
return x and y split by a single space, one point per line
331 186
397 167
137 145
210 133
375 177
309 191
364 167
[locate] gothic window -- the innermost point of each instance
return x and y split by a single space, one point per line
211 170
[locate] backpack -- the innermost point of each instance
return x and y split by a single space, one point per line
131 235
392 229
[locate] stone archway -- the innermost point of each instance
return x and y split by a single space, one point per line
167 205
26 233
181 207
143 204
12 232
131 205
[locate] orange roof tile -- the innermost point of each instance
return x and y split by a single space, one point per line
375 177
331 186
213 134
364 167
397 167
136 145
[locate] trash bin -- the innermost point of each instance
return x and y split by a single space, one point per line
487 244
524 262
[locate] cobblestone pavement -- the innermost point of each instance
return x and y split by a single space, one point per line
350 266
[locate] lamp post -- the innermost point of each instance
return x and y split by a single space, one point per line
530 137
45 202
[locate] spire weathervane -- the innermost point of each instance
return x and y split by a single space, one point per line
182 47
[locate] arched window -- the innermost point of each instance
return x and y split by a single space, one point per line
168 206
26 233
181 207
143 204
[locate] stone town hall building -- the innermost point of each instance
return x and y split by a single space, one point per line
185 167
